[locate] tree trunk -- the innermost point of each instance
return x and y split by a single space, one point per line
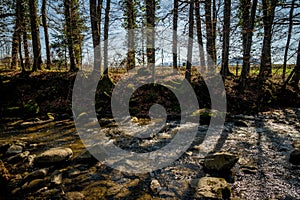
69 34
296 76
35 34
199 35
188 72
95 15
248 29
150 34
46 34
24 37
175 34
226 39
131 24
106 29
266 58
14 49
26 50
209 35
287 46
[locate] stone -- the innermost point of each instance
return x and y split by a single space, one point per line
4 175
295 157
155 186
14 149
211 188
56 178
34 185
38 174
241 123
74 196
85 157
220 162
296 144
19 157
54 156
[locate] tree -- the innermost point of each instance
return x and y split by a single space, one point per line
199 34
266 59
46 34
188 72
210 21
150 34
35 34
175 35
95 15
296 75
288 39
226 38
106 29
248 20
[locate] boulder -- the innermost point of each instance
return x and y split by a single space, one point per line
54 156
211 188
295 157
14 149
19 157
220 162
241 123
74 196
38 174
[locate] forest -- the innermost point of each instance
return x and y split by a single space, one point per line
84 82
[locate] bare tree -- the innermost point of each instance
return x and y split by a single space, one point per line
95 15
175 35
266 59
130 12
226 38
106 29
188 72
46 34
35 34
296 74
199 34
288 39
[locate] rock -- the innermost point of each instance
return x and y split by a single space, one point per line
220 162
56 178
19 157
155 186
74 196
295 157
4 147
241 123
296 144
85 157
38 174
34 185
14 149
211 188
54 156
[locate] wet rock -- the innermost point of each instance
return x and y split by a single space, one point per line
296 144
54 156
85 157
155 186
19 157
4 147
14 149
211 188
241 123
295 157
220 162
74 196
34 185
38 174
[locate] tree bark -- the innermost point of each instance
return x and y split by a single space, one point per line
248 29
95 15
296 76
14 49
199 35
175 34
150 35
46 34
266 57
35 34
106 29
210 48
188 72
287 46
70 34
131 24
226 38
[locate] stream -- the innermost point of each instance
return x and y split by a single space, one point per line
263 144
